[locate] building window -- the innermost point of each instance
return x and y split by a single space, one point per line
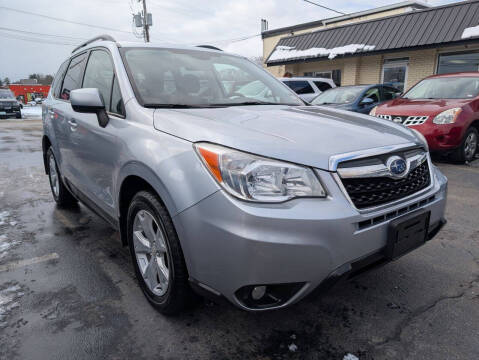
458 62
335 75
395 72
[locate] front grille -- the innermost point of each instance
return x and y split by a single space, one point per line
367 192
405 120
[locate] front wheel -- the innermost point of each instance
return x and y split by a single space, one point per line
157 256
467 151
61 194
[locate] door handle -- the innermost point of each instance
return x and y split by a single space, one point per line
73 124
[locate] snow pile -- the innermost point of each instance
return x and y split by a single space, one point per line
3 217
32 111
470 32
290 53
350 357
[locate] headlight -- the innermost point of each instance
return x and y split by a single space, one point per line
254 178
421 138
373 111
447 117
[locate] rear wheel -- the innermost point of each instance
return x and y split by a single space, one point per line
467 150
18 115
61 194
157 256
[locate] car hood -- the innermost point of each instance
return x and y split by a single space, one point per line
410 107
306 135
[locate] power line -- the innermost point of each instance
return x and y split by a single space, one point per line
63 20
42 34
324 7
38 41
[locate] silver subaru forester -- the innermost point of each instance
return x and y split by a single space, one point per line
223 182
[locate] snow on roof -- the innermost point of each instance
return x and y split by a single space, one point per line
290 53
470 32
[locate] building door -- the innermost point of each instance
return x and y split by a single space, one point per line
395 73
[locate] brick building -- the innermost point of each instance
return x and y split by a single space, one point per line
398 44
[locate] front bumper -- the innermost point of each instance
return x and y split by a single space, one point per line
230 244
9 112
441 137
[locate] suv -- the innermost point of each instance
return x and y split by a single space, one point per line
308 87
232 196
9 106
445 109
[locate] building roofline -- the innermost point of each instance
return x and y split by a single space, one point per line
418 4
462 41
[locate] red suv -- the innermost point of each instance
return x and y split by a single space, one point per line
445 109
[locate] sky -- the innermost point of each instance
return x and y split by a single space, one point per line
41 44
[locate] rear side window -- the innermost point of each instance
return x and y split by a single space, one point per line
57 82
322 86
299 87
73 76
99 74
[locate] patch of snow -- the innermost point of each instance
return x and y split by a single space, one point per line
290 53
293 347
3 217
350 357
13 223
470 32
32 111
8 301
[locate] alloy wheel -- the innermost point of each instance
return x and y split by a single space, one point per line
470 145
152 254
54 181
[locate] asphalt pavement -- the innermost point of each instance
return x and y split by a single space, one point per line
67 289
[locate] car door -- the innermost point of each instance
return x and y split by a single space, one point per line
64 116
97 149
369 99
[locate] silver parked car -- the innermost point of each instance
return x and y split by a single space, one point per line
248 194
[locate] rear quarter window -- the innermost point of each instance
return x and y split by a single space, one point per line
299 87
322 86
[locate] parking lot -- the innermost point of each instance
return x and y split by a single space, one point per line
67 288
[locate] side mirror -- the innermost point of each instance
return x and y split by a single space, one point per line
367 101
89 100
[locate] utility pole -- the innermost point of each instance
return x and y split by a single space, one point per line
146 26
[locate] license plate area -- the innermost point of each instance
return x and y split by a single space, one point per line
407 233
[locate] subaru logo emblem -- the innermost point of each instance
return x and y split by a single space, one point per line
397 120
397 166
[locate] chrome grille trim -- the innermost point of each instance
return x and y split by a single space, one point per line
374 171
415 120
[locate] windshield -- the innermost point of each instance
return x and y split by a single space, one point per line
6 94
340 95
445 88
177 77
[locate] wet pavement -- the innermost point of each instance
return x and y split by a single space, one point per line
67 289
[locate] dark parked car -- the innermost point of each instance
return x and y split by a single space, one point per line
358 98
443 108
9 106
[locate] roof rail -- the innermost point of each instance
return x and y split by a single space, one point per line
100 37
211 47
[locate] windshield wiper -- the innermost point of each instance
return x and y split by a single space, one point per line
179 106
247 103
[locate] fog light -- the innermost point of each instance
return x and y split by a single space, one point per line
258 292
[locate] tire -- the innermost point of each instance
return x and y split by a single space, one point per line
18 116
464 153
61 194
174 295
